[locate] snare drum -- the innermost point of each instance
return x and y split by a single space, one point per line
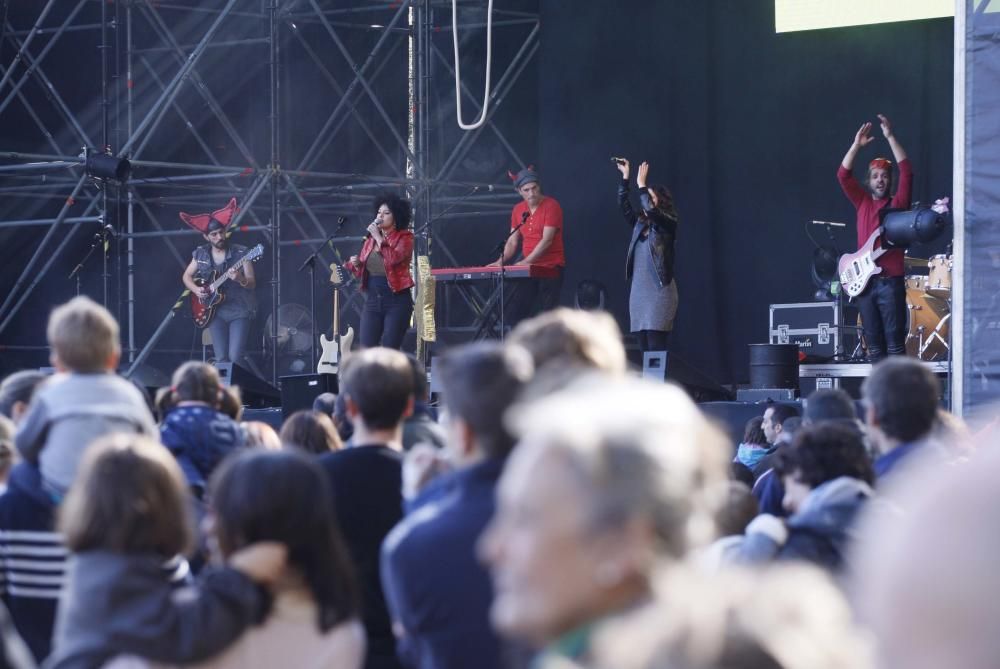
939 276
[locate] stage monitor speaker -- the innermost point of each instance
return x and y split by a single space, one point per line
667 366
255 391
298 391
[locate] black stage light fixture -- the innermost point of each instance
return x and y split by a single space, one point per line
904 227
110 168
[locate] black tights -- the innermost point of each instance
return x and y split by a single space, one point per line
653 340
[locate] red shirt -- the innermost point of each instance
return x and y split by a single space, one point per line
868 208
547 215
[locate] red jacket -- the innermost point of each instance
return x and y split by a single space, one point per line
397 250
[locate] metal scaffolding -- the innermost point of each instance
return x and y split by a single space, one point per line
301 108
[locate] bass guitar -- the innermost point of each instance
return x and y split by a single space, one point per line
335 350
203 308
856 269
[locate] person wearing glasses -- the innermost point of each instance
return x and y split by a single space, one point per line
383 265
649 265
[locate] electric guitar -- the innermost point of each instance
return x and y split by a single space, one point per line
335 350
856 269
203 308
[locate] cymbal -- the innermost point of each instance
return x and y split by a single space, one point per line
910 263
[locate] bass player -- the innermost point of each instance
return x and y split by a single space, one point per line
230 324
883 301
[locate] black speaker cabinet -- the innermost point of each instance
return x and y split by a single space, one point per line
299 390
666 366
255 391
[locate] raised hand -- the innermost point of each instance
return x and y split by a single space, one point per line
640 178
863 136
624 167
886 126
374 230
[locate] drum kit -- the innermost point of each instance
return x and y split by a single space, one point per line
928 308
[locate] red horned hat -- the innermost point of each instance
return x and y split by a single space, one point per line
205 223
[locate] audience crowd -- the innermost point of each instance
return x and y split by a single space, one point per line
543 509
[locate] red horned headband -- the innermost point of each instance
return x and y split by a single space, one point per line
880 164
203 222
527 175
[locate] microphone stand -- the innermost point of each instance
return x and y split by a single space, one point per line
99 239
503 267
310 262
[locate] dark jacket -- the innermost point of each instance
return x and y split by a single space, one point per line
127 605
34 566
200 438
662 234
436 588
366 482
397 250
820 532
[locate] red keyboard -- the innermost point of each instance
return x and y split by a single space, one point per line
480 273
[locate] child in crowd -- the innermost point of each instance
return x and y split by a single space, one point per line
127 520
195 428
85 400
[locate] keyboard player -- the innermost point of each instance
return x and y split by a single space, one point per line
537 222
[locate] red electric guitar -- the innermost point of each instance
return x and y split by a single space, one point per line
203 308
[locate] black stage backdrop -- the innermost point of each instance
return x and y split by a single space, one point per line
746 127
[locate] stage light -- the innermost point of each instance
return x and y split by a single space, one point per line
111 168
824 272
920 224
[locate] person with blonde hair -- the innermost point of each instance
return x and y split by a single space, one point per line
127 522
592 504
85 399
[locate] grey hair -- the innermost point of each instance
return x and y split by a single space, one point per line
640 450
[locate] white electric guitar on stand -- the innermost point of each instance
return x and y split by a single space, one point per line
337 349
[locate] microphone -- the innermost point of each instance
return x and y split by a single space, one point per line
618 161
524 217
830 223
368 234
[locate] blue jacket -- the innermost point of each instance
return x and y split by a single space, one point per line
820 531
200 438
33 568
435 587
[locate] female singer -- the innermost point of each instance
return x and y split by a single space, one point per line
384 268
649 266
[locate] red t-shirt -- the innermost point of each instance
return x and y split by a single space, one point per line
547 215
868 208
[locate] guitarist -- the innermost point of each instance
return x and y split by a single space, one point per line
230 325
883 302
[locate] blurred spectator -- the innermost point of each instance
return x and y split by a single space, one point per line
421 427
828 404
258 434
592 502
16 392
827 477
313 619
194 428
925 579
7 450
779 423
566 342
310 431
754 445
127 520
731 522
325 403
902 402
788 617
377 387
437 592
345 428
85 400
